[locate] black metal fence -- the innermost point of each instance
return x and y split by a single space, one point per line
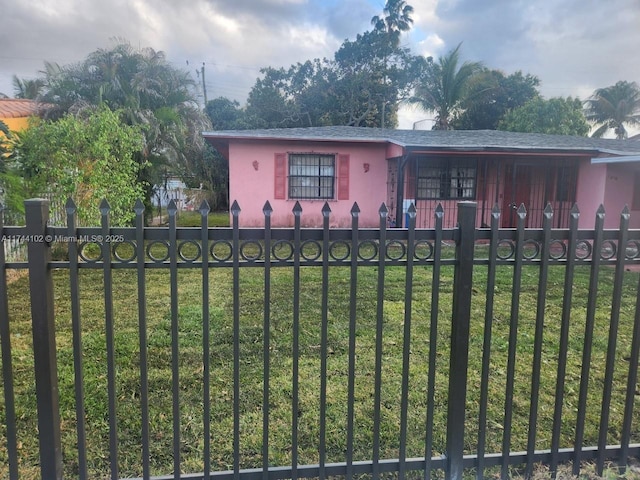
511 342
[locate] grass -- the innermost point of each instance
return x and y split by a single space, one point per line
280 329
194 219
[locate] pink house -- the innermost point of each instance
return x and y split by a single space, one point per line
343 165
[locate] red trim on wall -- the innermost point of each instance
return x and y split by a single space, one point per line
343 177
280 176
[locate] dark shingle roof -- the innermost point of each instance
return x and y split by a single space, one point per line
438 139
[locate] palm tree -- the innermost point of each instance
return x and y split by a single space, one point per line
24 88
397 19
613 107
444 88
148 91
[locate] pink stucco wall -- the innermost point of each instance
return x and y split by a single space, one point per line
610 185
590 192
618 193
252 177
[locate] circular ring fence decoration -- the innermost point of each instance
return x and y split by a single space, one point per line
367 246
310 250
530 249
633 249
608 250
154 248
282 250
557 249
506 249
124 252
221 250
419 246
393 248
184 250
583 249
251 250
334 250
90 252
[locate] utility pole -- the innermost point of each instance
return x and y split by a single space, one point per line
204 86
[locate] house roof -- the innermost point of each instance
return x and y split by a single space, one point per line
18 107
461 140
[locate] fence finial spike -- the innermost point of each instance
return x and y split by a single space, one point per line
625 211
412 209
138 207
172 208
297 208
522 211
355 209
104 207
383 210
326 209
495 211
70 206
267 210
575 210
235 208
600 210
204 208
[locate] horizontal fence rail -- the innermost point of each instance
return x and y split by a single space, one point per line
267 353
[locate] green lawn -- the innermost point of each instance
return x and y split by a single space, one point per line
251 366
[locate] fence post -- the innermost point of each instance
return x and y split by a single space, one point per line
461 312
44 341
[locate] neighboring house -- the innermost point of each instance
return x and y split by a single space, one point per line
343 165
15 112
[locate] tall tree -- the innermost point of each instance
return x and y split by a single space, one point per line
150 93
396 20
610 108
492 94
558 116
444 87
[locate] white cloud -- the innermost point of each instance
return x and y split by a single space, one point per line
573 46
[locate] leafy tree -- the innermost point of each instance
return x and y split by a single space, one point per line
288 98
491 95
610 108
559 116
226 114
373 75
360 86
87 157
445 87
12 193
148 92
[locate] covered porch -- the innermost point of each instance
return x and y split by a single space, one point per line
429 178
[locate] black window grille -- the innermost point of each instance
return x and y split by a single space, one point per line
444 179
566 184
311 176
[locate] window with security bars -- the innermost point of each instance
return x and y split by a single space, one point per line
311 176
446 179
566 184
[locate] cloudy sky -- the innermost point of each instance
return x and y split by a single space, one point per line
573 46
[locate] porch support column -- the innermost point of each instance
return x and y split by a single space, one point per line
402 163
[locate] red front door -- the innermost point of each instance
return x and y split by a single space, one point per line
517 190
